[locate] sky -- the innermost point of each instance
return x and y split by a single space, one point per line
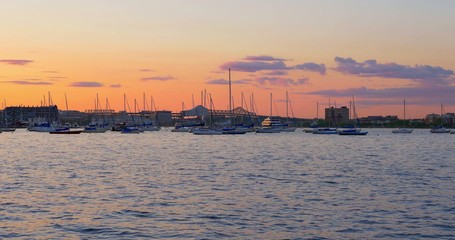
320 52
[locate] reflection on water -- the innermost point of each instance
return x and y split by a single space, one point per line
177 185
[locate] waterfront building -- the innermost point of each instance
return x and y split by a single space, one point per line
337 115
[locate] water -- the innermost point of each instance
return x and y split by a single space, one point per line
165 185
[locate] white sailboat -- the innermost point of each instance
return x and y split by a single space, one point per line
440 128
212 129
403 129
354 130
286 127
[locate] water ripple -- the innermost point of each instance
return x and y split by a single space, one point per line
180 186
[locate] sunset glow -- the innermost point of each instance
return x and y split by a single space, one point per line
318 51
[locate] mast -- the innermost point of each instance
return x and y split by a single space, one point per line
270 104
124 102
404 112
230 93
287 103
66 102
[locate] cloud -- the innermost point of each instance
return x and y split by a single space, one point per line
86 84
147 70
57 78
29 82
423 74
115 85
312 67
226 82
50 71
264 58
425 95
253 66
277 73
283 82
277 66
159 78
20 62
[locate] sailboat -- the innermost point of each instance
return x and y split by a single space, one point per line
353 130
232 129
326 130
286 127
271 124
212 129
440 128
96 126
403 129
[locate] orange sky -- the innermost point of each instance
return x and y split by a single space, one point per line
172 50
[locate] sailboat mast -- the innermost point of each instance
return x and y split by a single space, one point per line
124 102
404 112
230 93
287 103
66 102
270 104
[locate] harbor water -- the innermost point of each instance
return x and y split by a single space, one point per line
164 185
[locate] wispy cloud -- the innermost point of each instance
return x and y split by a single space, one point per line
29 82
159 78
423 74
277 73
20 62
147 70
86 84
115 85
283 82
50 71
226 82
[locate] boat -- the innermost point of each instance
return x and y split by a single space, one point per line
440 128
324 131
46 127
352 130
403 129
68 131
150 128
268 130
234 130
95 128
271 124
207 131
131 130
452 131
211 129
7 129
286 127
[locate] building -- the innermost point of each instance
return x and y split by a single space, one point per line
337 115
21 115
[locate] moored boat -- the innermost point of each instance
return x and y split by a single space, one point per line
324 131
207 131
131 129
352 131
440 129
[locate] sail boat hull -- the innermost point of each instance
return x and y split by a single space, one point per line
402 130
